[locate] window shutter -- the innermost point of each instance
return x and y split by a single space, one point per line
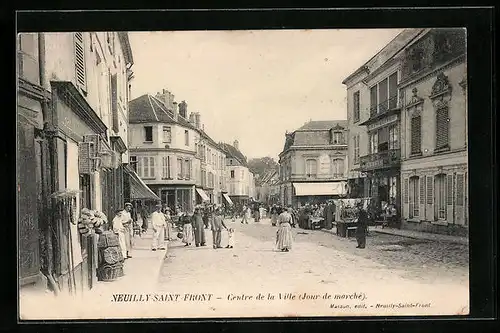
84 161
430 185
460 190
442 128
80 73
406 190
416 123
151 166
449 191
422 190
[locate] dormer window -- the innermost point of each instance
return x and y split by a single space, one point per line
337 138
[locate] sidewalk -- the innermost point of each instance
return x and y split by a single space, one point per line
413 234
142 269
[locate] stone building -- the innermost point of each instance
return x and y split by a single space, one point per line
313 163
73 155
434 132
240 180
173 154
373 115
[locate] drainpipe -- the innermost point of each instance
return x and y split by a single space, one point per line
47 120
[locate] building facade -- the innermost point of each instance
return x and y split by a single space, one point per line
85 80
173 154
264 191
374 121
240 180
434 133
313 163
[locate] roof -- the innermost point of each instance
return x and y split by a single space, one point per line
314 133
322 125
235 153
390 49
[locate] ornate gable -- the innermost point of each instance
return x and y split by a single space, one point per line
337 127
415 99
441 86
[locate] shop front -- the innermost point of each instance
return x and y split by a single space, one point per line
317 193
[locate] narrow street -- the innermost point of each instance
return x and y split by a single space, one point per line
398 270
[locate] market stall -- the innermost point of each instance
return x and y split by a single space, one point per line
346 215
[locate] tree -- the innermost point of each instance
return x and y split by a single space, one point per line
260 166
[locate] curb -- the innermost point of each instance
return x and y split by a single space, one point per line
453 241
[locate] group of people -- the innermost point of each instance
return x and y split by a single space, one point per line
193 227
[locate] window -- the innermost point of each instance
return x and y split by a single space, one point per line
167 134
148 133
338 167
231 161
114 102
422 191
383 96
356 148
374 143
393 189
413 196
80 70
186 137
133 162
355 99
166 167
440 197
460 189
187 169
442 128
232 174
28 57
405 196
416 140
180 171
311 168
449 189
146 167
394 137
337 138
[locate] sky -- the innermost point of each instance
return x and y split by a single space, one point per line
253 86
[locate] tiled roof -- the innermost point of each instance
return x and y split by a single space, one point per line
234 153
322 125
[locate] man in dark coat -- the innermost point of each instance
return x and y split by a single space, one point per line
199 231
217 223
329 215
362 226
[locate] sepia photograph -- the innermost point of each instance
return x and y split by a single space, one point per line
242 173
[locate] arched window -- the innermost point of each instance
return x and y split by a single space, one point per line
311 167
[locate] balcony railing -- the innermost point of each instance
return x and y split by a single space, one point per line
382 159
390 104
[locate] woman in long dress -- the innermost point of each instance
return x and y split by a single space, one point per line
120 230
187 230
284 233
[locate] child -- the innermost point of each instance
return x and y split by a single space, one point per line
230 239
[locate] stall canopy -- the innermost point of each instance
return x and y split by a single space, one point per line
202 194
331 188
138 189
228 199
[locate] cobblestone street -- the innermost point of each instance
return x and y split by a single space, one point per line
390 269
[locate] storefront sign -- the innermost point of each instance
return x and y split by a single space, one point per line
382 122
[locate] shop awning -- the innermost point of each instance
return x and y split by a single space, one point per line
202 194
138 189
228 199
330 188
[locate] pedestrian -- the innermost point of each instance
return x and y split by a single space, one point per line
217 223
230 238
328 214
158 223
274 215
362 226
284 233
246 215
187 229
129 227
199 231
205 216
168 220
119 229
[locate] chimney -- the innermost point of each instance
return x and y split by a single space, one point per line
191 118
197 120
236 144
183 109
175 110
166 97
